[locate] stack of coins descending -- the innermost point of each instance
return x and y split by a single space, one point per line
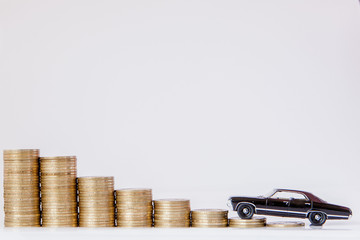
21 188
96 202
254 222
172 213
209 218
134 207
58 191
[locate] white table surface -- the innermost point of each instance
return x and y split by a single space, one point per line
331 230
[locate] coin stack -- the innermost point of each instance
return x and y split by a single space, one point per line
288 224
58 191
134 207
96 202
172 213
254 222
21 188
209 218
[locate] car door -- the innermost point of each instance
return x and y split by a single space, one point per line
299 207
277 205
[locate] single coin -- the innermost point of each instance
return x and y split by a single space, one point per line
178 224
171 201
134 190
130 224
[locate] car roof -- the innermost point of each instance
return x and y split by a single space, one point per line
311 196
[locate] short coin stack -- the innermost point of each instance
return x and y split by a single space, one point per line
288 224
96 202
134 207
172 213
209 218
254 222
58 191
21 188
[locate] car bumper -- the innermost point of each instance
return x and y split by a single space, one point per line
229 204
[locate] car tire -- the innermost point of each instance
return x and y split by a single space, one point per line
317 218
245 211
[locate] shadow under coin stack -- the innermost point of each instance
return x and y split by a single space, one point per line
58 191
209 218
172 213
254 222
134 207
96 202
21 188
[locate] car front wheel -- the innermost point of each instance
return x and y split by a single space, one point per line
245 211
317 218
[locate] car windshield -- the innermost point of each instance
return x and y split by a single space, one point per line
269 194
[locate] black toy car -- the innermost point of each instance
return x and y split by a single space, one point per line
289 203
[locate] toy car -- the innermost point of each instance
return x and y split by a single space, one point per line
289 203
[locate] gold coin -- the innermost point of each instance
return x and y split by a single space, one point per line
60 224
171 201
21 224
129 224
7 151
126 191
57 158
209 213
210 220
209 225
131 210
96 224
95 179
172 225
170 218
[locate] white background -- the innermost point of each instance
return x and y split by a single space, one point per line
195 99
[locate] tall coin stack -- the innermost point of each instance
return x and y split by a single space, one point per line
58 191
96 202
134 207
209 218
21 188
172 213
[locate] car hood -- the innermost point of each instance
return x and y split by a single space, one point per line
242 198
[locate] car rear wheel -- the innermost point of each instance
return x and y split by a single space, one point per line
245 211
317 218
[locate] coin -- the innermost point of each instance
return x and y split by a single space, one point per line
175 224
285 224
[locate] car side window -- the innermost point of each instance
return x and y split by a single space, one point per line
288 195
